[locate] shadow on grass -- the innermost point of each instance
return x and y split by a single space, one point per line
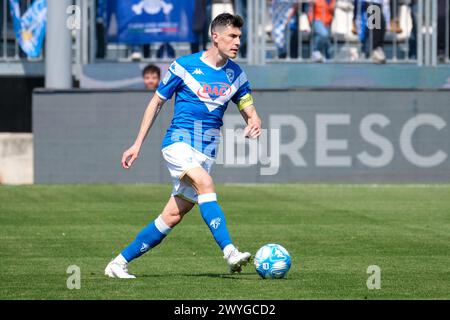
238 276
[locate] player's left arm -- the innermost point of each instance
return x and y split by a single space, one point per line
244 101
251 117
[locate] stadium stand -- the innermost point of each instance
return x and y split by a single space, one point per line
346 43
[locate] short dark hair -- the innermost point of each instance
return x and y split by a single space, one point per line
225 20
151 68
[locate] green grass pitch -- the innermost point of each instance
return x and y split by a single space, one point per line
333 232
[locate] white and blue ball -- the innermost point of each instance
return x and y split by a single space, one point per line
272 261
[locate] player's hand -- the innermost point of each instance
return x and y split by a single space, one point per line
129 156
253 130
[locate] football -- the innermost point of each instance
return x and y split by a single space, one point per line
272 261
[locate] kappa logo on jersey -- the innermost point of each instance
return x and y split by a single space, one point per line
215 223
214 90
198 71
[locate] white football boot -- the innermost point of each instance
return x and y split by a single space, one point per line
237 259
116 269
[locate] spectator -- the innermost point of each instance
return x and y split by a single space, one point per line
100 29
152 76
200 25
372 38
294 31
241 9
165 51
283 11
394 7
321 14
443 14
1 27
139 52
442 33
412 42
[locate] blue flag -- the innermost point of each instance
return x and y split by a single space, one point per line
30 28
145 21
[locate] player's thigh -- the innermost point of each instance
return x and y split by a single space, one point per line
175 209
200 180
179 158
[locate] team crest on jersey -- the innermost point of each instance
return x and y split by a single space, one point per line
230 75
214 90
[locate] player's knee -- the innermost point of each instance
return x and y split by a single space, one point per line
205 184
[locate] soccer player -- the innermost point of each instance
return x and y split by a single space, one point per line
204 83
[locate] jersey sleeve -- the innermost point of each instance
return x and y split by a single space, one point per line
170 83
243 96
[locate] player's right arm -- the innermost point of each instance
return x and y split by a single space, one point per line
148 119
167 87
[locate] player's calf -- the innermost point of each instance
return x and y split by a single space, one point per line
215 219
149 237
175 210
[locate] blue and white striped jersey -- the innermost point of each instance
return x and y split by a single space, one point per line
202 95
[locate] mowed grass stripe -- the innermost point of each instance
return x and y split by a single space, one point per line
333 232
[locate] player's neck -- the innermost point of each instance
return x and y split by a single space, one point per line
214 57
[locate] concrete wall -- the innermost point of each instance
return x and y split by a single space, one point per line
314 135
289 76
16 158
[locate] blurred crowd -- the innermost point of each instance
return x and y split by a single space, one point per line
371 33
286 25
292 23
201 20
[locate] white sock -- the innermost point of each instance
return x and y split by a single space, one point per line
162 226
120 259
206 197
228 249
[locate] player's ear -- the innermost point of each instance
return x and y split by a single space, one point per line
214 37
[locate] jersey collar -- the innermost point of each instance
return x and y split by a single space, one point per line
210 65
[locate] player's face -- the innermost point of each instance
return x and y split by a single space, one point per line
151 80
229 41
